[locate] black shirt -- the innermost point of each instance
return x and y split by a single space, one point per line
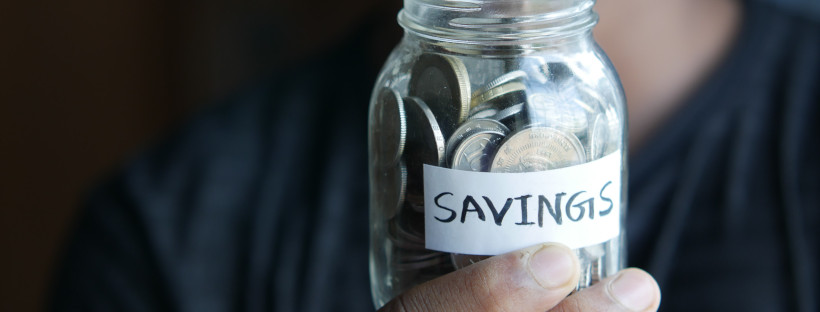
260 204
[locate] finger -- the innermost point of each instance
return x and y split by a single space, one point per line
629 290
531 279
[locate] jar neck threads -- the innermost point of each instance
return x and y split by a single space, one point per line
497 22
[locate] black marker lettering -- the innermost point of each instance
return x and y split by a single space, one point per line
606 199
498 216
555 213
464 210
579 206
523 200
452 212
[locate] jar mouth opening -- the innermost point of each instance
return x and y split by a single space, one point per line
497 22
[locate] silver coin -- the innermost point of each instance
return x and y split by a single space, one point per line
538 149
411 221
476 152
598 138
592 101
512 80
425 145
469 128
562 110
535 67
400 239
585 280
407 230
605 126
483 114
505 115
558 71
615 131
483 107
595 270
483 70
515 75
392 188
390 127
594 251
442 82
406 244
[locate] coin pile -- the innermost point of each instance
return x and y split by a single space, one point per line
531 119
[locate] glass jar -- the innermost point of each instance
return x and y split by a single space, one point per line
494 125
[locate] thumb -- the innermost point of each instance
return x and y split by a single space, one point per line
532 279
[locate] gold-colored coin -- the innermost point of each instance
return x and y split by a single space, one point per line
507 83
442 82
504 95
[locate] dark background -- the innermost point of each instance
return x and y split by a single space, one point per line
86 84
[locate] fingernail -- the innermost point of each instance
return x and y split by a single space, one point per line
552 266
633 289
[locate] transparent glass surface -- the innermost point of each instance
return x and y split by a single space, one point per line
459 84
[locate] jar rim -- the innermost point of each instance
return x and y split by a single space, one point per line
498 22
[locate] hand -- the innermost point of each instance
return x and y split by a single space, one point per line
537 278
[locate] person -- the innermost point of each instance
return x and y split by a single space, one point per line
261 203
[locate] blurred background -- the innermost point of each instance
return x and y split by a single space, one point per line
86 84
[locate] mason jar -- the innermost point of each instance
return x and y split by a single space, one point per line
494 125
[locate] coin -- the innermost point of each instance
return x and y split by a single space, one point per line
410 256
509 114
483 107
416 203
595 270
483 70
411 222
594 251
512 92
606 131
535 67
425 145
504 85
470 127
592 101
560 109
598 139
391 125
476 152
558 71
459 49
615 131
406 229
392 188
442 83
585 280
538 149
483 114
420 264
400 238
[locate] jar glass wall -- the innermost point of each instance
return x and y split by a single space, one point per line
496 87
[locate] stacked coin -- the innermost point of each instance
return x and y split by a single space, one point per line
388 139
527 120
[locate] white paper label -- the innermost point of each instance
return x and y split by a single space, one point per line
487 213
